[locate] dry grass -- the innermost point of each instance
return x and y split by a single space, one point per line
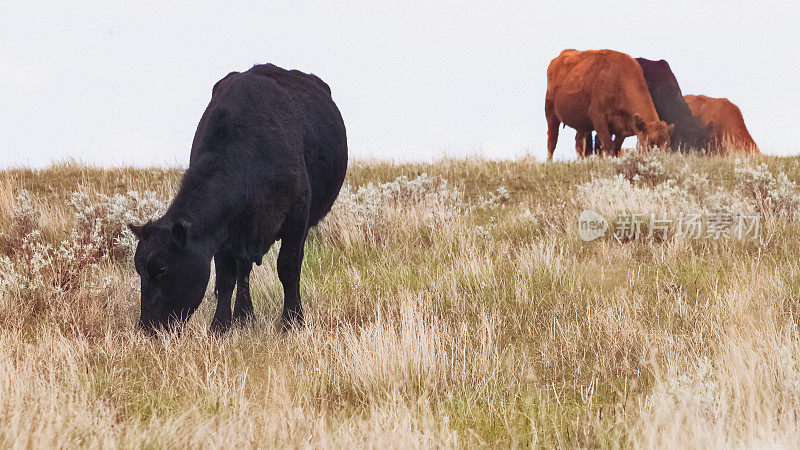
453 309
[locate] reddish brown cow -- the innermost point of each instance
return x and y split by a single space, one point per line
729 133
605 91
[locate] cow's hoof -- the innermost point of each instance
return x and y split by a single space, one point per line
243 317
219 327
292 321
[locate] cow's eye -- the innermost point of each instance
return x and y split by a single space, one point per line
156 271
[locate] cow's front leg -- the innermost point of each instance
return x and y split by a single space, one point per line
604 134
618 140
243 309
224 284
580 144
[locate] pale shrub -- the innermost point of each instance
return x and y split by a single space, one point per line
357 215
25 215
484 232
611 196
728 201
46 271
527 216
101 220
404 189
7 275
497 199
696 184
64 283
370 213
644 167
771 194
636 190
442 209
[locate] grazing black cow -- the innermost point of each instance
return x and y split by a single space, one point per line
267 162
670 105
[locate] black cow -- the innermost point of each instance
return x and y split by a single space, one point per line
670 105
267 162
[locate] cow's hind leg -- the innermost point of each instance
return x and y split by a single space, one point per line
225 281
553 123
243 309
583 143
290 259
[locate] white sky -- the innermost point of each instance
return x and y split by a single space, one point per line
126 82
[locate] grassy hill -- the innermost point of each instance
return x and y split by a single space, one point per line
448 304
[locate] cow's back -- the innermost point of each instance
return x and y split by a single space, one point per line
728 124
602 79
324 136
274 131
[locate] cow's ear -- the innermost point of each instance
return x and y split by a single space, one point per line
638 122
136 230
670 128
180 233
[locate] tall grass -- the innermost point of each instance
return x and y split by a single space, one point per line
449 304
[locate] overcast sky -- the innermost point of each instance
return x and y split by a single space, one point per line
126 82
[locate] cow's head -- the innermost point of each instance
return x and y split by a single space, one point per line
174 273
652 134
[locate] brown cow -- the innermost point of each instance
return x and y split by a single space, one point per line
605 91
729 133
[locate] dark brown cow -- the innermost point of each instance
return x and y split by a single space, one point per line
729 133
601 90
670 105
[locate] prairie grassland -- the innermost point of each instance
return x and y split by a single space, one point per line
450 304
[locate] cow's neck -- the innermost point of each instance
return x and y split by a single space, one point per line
203 204
641 103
